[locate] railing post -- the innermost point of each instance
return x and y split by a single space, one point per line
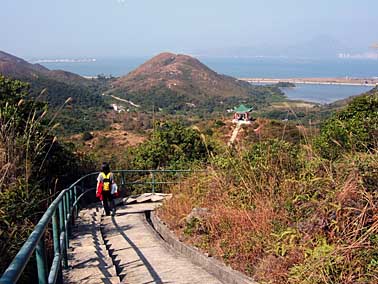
82 189
56 234
70 203
62 230
65 213
66 221
69 199
153 182
40 253
75 199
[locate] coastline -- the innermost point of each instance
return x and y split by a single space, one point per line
369 82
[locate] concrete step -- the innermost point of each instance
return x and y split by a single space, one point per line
95 234
88 257
93 274
91 220
87 226
83 249
83 254
107 280
82 242
77 262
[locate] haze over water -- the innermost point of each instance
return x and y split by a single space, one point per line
237 67
256 67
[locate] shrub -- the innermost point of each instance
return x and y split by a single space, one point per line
87 136
171 145
219 123
355 128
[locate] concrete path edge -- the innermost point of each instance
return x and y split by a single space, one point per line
222 272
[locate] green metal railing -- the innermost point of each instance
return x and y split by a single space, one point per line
61 215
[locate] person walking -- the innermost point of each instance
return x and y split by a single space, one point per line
105 181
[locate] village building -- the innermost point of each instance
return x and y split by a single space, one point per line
242 114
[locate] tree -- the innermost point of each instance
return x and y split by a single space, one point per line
171 145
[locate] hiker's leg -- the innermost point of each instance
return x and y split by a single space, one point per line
106 202
112 203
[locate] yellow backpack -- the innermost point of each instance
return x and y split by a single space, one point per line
107 181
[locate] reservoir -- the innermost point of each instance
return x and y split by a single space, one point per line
323 93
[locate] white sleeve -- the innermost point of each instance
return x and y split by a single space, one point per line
99 178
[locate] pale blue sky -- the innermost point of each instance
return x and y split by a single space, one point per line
96 28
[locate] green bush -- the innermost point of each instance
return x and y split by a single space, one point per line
275 153
354 128
219 123
172 145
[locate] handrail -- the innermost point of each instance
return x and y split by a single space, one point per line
61 213
11 275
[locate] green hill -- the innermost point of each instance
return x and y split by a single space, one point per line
180 82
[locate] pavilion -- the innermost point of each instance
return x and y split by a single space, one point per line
242 114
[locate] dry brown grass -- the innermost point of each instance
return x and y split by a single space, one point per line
229 233
317 225
116 137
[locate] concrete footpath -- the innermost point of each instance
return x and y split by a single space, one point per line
88 259
132 252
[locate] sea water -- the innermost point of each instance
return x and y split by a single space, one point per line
323 93
255 67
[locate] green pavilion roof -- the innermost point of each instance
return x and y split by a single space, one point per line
243 109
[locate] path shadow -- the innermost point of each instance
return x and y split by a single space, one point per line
156 278
98 254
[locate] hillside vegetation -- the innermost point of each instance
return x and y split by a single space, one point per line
289 203
55 87
34 167
290 210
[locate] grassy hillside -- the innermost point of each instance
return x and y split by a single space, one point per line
290 209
